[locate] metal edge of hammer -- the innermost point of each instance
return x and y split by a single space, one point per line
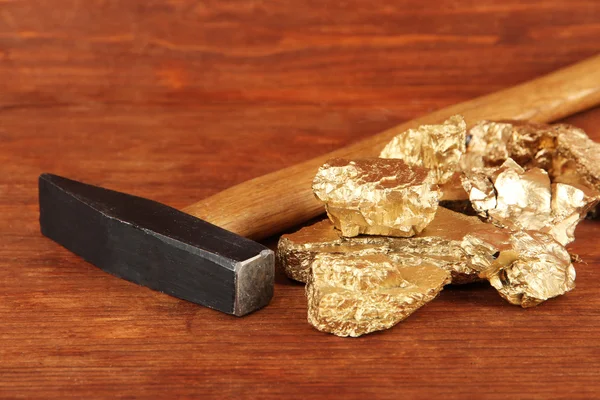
202 254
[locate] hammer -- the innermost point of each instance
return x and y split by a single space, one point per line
204 254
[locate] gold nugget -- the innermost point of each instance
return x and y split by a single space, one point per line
564 151
577 159
352 295
527 269
296 251
493 142
517 199
439 245
436 147
376 196
534 183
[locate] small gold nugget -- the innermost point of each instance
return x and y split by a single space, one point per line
517 199
527 267
352 295
436 147
376 196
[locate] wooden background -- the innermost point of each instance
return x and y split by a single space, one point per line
178 99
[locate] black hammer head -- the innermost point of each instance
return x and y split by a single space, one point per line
157 246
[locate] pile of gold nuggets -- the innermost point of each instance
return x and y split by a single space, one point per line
444 206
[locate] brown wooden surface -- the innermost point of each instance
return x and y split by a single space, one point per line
267 205
177 100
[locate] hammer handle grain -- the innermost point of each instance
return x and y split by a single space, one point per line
277 201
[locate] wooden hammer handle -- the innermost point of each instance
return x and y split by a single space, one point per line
277 201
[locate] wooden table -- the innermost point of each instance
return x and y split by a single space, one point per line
175 100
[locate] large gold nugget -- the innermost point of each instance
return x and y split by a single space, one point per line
517 199
436 147
352 295
375 196
439 245
528 269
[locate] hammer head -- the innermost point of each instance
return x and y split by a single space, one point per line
157 246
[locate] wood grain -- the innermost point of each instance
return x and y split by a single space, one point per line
272 203
178 100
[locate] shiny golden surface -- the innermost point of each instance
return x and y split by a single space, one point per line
376 196
564 151
531 268
439 245
436 147
296 251
350 295
577 159
570 204
526 267
512 197
493 142
533 182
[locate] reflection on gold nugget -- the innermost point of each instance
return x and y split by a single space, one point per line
376 196
351 295
517 199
